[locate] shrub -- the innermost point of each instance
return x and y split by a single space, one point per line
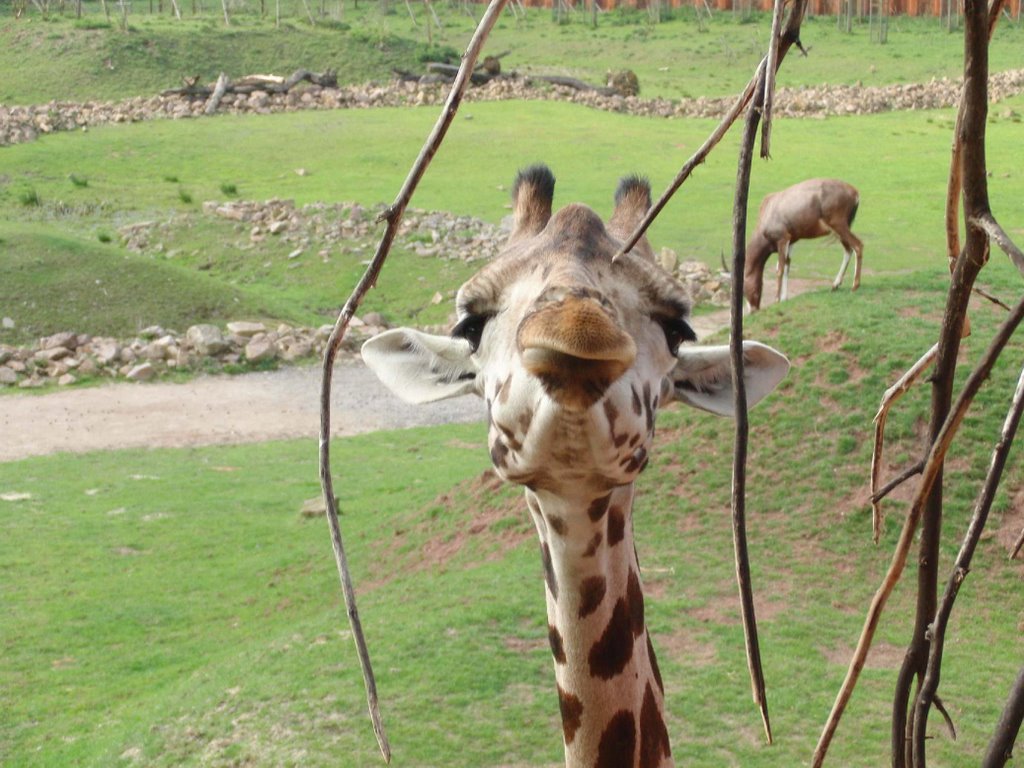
29 197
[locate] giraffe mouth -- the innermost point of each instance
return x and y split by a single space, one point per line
576 350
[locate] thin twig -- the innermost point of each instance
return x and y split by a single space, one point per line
961 567
994 299
889 398
393 216
932 469
769 81
740 439
696 159
896 482
988 223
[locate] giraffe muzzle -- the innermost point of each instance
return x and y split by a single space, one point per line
576 349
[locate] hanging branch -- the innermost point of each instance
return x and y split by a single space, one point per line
961 567
932 471
740 439
393 216
1000 748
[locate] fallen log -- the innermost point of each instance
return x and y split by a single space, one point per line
251 83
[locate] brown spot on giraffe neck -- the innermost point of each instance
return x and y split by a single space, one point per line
635 603
613 650
593 544
557 646
572 714
617 746
549 571
616 525
592 592
654 665
598 507
654 743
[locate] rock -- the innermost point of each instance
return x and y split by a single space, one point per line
316 507
66 380
296 351
277 227
107 352
7 376
143 372
65 339
246 329
49 354
206 339
7 324
261 349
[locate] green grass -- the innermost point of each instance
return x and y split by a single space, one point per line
674 59
56 282
176 610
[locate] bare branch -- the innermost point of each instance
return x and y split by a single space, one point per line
769 82
393 216
740 440
1000 748
788 37
994 299
889 398
896 482
932 469
961 567
991 227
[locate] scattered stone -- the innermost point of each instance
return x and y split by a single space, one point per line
7 376
207 339
316 507
66 380
142 372
15 496
260 349
246 329
65 339
7 323
25 123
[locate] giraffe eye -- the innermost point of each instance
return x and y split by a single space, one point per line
471 328
676 331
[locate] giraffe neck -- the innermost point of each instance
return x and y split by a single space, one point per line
609 687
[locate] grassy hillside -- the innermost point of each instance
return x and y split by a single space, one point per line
178 611
53 281
88 59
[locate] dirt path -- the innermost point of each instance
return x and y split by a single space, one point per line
229 409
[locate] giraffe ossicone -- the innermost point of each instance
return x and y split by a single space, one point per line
573 354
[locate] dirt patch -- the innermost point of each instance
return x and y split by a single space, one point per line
881 656
688 646
1012 524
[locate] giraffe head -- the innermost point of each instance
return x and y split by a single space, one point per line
572 352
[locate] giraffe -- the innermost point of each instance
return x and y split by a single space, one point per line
573 353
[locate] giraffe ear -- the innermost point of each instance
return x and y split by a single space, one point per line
421 368
532 196
703 376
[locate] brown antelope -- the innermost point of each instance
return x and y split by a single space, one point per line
812 208
573 354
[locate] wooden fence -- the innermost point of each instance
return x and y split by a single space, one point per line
863 8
